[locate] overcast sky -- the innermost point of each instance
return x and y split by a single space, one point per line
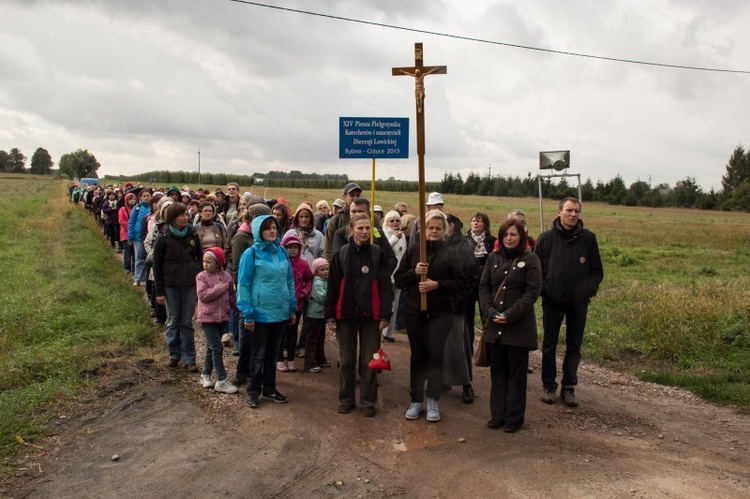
144 84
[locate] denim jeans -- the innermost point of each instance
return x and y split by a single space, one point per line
368 335
214 350
427 337
180 334
127 257
234 327
141 272
575 323
265 343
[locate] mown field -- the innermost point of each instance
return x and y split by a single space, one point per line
674 306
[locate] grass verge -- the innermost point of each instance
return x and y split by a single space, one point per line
65 305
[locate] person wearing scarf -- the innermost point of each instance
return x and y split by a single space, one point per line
511 332
177 261
482 242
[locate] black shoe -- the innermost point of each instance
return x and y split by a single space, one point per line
569 397
191 368
368 411
173 362
511 429
390 339
240 379
495 423
276 397
548 396
253 402
468 395
345 408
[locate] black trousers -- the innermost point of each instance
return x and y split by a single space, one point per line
508 374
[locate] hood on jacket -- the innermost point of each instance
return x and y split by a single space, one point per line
258 241
304 206
161 207
291 238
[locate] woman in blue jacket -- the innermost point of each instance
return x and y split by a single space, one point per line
140 212
265 299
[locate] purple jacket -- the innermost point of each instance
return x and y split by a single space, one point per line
215 302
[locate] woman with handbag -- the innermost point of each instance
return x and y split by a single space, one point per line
509 287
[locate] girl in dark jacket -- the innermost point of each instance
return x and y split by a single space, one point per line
511 332
177 261
428 330
358 306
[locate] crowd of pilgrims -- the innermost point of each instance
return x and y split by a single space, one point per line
268 282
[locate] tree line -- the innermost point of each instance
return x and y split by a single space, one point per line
686 193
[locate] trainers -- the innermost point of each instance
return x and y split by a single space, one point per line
276 397
548 396
368 411
291 367
301 353
253 402
414 410
569 397
530 370
224 386
468 395
206 381
315 369
240 379
325 364
433 411
345 408
281 366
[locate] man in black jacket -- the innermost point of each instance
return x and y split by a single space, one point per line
572 271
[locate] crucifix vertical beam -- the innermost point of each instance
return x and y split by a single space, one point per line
418 72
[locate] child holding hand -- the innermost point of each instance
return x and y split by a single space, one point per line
315 355
216 298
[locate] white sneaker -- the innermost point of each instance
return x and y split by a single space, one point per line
433 412
225 386
206 381
414 410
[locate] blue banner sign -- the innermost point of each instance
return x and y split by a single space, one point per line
373 137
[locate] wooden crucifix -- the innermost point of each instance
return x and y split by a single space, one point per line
418 72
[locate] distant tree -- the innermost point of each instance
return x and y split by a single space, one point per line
738 170
41 162
615 191
16 161
3 161
79 164
687 193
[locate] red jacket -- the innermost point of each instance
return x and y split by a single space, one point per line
215 301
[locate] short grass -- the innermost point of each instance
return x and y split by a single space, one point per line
66 304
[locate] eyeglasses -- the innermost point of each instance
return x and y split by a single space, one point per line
394 221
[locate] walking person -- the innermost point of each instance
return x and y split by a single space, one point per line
215 301
358 306
177 262
572 270
428 330
508 289
265 298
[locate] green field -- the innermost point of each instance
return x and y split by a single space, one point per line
674 306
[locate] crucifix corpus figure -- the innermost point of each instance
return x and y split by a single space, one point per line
418 72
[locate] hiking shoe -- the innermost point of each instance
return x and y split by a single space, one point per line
240 379
253 402
414 410
368 411
224 386
569 397
548 396
345 408
173 362
281 366
191 367
206 381
276 397
433 411
468 395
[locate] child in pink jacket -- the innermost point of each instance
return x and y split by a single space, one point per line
303 278
215 301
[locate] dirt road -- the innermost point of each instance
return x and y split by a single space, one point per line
151 432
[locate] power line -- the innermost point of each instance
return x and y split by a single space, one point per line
493 42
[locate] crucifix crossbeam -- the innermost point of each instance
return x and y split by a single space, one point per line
418 72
